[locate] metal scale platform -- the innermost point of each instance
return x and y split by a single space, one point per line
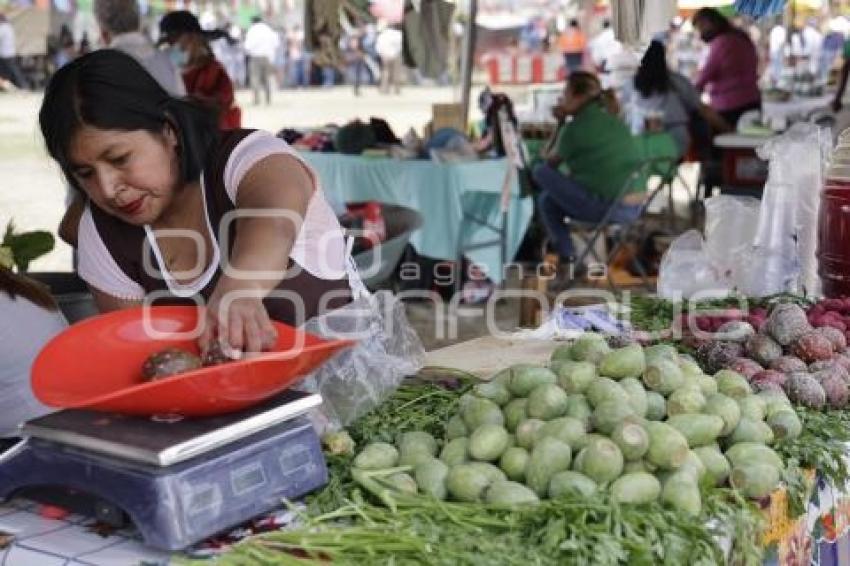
178 480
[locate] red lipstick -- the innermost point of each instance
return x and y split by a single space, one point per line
133 207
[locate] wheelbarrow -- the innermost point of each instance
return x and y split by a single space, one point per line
377 264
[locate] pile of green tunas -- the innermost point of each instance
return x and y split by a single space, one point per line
369 523
642 424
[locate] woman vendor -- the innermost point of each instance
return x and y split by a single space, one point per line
177 208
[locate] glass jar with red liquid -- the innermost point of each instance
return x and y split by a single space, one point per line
834 230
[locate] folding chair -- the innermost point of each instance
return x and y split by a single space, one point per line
517 159
661 145
664 167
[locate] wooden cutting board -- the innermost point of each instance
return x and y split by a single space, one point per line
486 355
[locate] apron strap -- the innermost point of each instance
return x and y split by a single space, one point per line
355 282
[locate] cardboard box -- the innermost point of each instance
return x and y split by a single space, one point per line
447 116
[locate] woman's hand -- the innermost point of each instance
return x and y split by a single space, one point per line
559 112
237 318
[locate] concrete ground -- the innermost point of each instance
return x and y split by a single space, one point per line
33 192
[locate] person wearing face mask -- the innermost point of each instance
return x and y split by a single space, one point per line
590 159
205 78
730 73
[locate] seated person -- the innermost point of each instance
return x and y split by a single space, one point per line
662 100
29 318
599 153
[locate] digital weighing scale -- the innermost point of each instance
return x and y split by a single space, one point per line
179 480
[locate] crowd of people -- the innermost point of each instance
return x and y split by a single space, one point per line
789 58
262 56
265 56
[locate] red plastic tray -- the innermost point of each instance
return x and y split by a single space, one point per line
96 365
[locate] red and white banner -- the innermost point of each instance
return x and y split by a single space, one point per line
524 68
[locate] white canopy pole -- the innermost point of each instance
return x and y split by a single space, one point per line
467 62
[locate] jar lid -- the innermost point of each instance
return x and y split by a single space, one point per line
841 155
838 172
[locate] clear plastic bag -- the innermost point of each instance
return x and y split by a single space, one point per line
789 213
361 377
765 271
730 226
686 269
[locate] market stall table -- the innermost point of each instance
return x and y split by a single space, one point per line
822 532
441 192
793 110
787 540
742 168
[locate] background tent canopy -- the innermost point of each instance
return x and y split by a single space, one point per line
390 10
697 4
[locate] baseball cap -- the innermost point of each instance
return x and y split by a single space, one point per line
174 24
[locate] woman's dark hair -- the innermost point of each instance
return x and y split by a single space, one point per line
583 83
110 90
652 76
714 17
16 285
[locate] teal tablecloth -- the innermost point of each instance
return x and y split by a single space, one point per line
440 192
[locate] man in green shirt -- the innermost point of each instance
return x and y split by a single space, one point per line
594 154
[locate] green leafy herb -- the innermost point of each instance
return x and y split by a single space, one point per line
27 246
797 491
655 314
565 531
415 405
342 526
822 444
651 313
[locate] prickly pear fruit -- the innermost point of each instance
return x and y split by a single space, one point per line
803 389
812 346
835 388
838 339
714 356
169 362
746 367
763 349
786 323
788 364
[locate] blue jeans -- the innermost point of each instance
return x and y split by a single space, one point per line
562 197
573 61
300 69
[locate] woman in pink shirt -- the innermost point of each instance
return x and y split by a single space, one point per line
730 74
